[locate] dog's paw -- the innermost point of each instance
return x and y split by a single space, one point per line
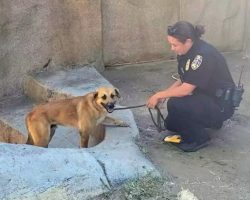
121 123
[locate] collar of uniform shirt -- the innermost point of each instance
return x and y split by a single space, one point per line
191 50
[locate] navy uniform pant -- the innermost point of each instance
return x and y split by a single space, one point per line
190 115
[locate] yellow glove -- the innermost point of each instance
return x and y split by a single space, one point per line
173 139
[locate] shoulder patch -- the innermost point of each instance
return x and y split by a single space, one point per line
196 62
187 65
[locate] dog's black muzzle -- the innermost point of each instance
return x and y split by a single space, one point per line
109 107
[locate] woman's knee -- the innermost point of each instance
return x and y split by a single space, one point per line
173 104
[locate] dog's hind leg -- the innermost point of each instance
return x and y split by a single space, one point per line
27 123
38 132
30 139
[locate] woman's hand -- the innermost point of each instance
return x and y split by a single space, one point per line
153 101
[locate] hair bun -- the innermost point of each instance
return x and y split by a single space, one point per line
199 30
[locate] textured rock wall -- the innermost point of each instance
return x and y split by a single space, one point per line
32 32
247 32
135 30
224 21
111 32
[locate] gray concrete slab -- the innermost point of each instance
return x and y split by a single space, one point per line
29 172
119 154
62 83
65 171
12 119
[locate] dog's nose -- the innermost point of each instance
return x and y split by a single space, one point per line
111 105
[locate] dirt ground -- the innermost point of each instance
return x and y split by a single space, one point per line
219 171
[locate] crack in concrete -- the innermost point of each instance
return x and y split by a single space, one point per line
106 175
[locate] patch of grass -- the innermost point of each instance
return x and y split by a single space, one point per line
146 188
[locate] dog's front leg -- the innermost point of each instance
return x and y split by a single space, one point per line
84 135
115 122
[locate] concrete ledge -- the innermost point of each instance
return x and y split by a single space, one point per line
10 134
12 120
49 85
30 172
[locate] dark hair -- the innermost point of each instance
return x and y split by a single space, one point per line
184 30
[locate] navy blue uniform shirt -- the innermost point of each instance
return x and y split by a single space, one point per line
205 67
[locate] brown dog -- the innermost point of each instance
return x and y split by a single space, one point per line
84 113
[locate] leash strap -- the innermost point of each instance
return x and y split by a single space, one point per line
130 107
159 117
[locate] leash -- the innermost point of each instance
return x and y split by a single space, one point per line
159 116
130 107
159 119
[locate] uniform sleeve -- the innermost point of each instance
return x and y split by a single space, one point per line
200 71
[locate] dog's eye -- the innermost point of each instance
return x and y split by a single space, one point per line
104 97
112 96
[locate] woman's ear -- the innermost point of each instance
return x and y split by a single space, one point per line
189 41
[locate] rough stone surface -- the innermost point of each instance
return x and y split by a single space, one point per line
224 21
31 32
219 171
12 120
63 83
106 32
30 172
247 31
135 30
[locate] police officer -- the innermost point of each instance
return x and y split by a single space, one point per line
202 97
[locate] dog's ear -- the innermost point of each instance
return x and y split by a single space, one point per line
95 95
117 93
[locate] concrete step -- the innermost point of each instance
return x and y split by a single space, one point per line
12 119
65 171
48 85
13 129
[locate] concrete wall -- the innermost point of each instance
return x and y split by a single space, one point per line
224 21
247 31
104 31
32 32
135 30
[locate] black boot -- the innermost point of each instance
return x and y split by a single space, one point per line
193 146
